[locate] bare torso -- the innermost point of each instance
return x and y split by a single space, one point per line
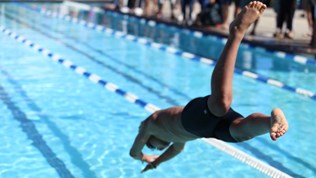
166 125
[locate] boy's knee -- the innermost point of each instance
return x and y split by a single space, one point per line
220 105
223 107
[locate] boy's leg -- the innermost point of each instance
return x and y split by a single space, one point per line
221 82
258 124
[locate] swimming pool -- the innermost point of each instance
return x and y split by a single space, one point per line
57 123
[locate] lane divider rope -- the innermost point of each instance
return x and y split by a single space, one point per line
178 52
281 54
92 77
261 166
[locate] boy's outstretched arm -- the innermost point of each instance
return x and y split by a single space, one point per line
139 143
171 152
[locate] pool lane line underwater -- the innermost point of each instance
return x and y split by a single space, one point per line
29 128
178 52
243 157
38 141
171 101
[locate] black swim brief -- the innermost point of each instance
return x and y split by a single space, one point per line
197 119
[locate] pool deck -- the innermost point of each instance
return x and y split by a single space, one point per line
264 32
266 28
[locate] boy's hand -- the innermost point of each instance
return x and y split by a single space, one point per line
148 167
149 158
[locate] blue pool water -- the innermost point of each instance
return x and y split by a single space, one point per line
56 123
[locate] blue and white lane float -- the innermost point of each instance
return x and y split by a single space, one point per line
178 52
238 154
92 77
284 55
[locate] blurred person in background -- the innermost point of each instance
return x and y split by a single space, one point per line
184 5
285 13
225 4
160 5
210 16
187 18
313 41
308 8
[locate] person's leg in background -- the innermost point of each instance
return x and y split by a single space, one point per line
184 4
290 11
183 10
203 3
307 6
225 12
313 40
281 12
131 5
160 6
117 4
238 6
172 8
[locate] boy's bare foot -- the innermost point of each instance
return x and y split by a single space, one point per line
246 17
279 124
